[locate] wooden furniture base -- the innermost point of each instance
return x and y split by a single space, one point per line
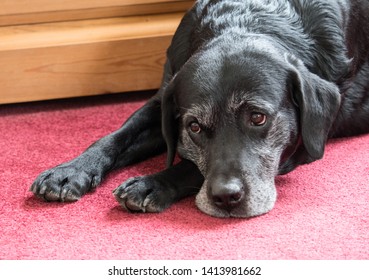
84 57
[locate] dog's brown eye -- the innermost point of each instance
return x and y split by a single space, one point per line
258 119
195 127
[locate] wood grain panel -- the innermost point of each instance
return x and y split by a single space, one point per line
81 70
15 17
83 58
37 6
87 31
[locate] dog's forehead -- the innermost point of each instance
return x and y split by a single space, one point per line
227 83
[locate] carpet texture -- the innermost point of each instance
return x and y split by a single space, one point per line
322 210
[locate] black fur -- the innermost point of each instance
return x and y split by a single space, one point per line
251 89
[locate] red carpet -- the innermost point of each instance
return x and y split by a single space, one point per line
322 210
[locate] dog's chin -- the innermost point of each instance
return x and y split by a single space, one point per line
251 207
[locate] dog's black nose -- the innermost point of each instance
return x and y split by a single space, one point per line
227 195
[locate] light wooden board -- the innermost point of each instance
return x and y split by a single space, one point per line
83 58
37 6
51 11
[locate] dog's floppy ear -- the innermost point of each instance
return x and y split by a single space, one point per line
318 101
169 121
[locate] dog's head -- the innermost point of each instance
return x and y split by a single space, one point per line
244 115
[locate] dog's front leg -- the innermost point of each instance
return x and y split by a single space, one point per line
139 138
156 192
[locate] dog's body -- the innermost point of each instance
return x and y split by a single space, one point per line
251 89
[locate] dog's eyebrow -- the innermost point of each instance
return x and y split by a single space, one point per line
204 113
250 101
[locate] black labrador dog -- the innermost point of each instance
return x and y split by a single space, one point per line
251 89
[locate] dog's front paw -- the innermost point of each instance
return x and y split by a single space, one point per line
65 183
144 194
